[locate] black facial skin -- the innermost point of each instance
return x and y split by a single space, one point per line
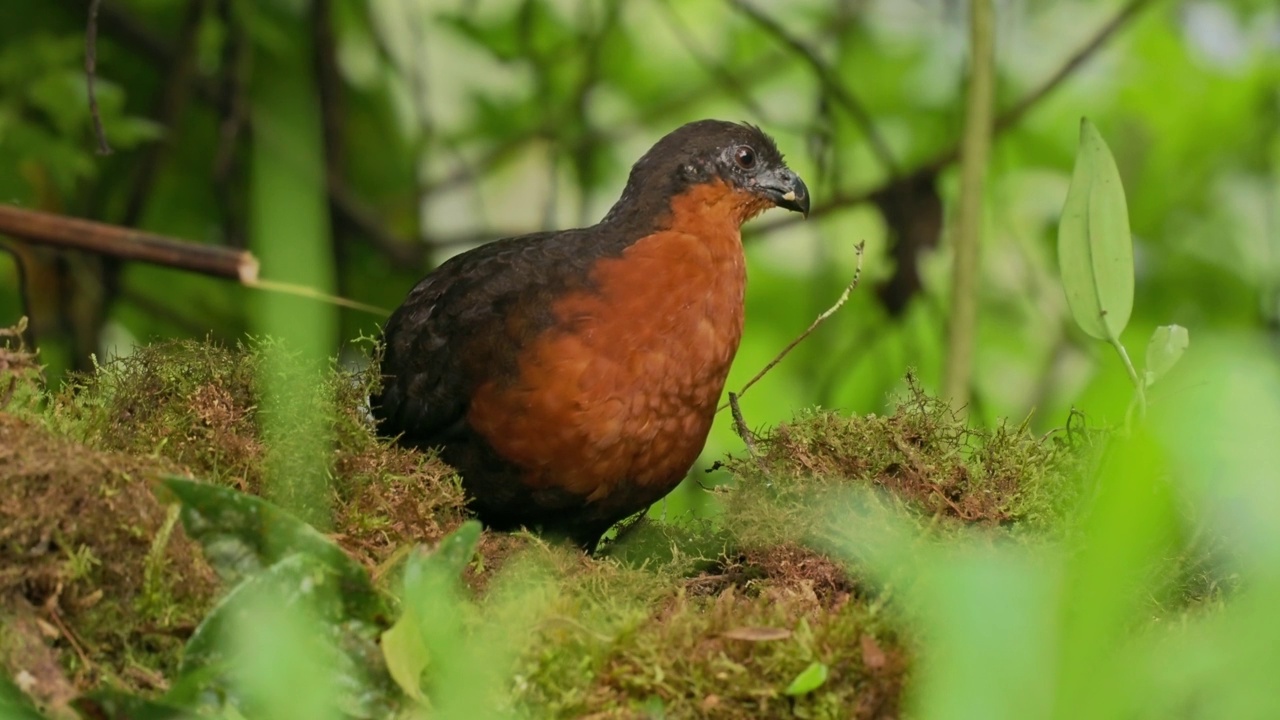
772 180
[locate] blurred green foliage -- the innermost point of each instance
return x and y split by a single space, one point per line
353 146
446 124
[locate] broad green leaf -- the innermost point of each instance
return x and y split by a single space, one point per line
454 552
430 579
431 588
241 534
1095 250
1164 350
293 579
299 582
809 679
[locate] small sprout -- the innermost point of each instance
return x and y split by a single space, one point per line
1164 350
809 679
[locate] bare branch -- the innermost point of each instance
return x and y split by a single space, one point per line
91 73
310 293
126 244
1004 121
1013 115
830 83
744 432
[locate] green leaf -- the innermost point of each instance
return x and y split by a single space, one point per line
405 654
294 578
14 704
1095 250
298 581
809 679
241 534
430 579
1164 350
454 552
431 584
112 704
431 627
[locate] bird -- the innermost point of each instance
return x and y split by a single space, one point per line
571 377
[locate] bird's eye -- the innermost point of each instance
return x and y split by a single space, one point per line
745 157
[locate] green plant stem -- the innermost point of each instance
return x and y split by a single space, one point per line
1139 400
979 118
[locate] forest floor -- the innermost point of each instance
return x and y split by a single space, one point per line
762 610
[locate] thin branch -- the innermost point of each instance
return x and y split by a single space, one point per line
967 238
830 83
91 73
126 243
1013 115
744 432
123 243
844 297
716 70
310 293
1004 121
51 607
758 69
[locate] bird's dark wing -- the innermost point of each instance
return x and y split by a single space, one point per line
464 324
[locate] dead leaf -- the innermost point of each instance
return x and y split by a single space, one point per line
48 630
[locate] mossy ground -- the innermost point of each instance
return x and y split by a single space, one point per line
710 619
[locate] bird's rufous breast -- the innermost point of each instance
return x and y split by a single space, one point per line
615 401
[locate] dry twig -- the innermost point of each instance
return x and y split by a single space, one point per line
844 297
1004 121
91 72
830 83
126 243
744 432
123 243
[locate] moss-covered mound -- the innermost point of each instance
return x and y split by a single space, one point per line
734 616
924 456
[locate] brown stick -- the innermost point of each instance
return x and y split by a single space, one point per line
127 244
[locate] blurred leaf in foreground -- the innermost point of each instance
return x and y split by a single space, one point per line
1165 348
241 534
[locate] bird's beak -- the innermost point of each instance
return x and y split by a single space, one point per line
785 189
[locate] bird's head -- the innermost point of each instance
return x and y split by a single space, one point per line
739 161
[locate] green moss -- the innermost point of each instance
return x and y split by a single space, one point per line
80 531
710 619
80 527
923 455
